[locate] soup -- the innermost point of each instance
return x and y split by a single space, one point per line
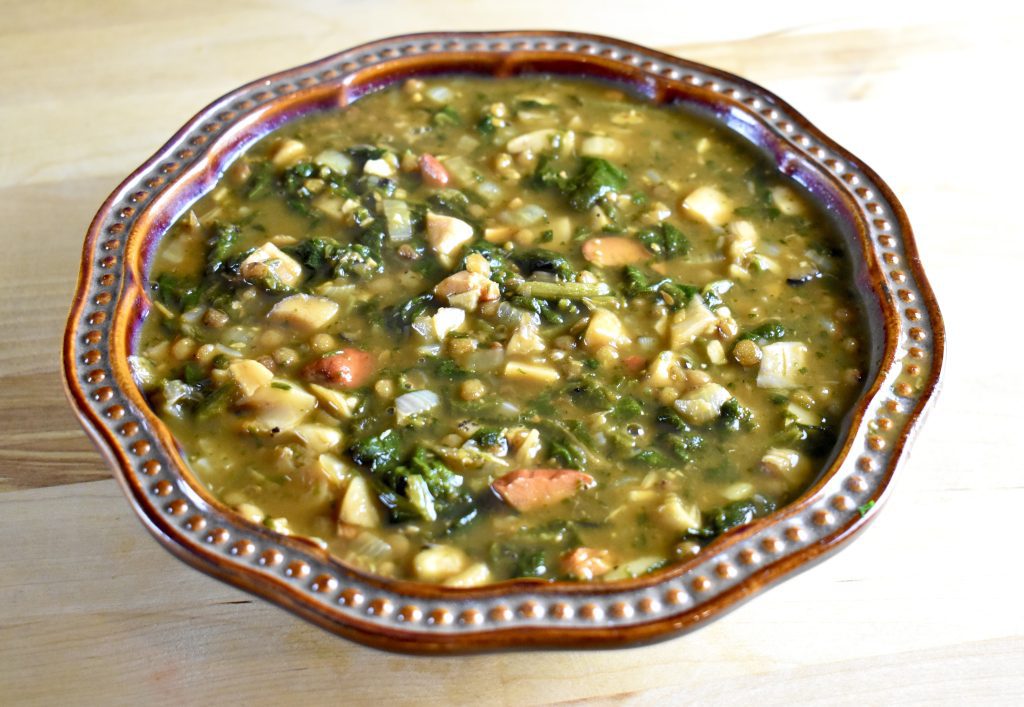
467 330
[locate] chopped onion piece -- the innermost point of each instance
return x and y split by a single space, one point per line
415 403
337 162
398 219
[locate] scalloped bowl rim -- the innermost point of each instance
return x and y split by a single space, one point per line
908 342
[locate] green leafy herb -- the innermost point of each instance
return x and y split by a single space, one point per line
177 293
546 261
595 178
665 241
401 316
378 453
637 284
771 330
261 182
446 116
735 416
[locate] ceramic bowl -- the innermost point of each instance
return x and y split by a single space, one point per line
906 354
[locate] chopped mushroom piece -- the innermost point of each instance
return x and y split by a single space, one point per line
319 438
249 375
307 313
279 406
466 290
779 462
270 261
446 236
704 404
339 404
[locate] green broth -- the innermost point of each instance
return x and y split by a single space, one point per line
468 329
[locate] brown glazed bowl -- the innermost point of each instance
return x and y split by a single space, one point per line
907 342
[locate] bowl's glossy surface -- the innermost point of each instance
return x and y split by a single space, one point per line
906 350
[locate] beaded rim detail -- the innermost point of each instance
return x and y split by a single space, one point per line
908 347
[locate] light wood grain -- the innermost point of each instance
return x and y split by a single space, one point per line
923 608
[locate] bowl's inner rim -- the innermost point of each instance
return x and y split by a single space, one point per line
826 193
185 190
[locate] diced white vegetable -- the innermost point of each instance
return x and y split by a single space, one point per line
269 260
337 162
359 507
446 236
531 372
709 205
741 239
526 337
529 447
307 313
665 370
424 326
144 372
781 365
319 438
330 468
526 215
398 220
561 231
802 415
439 562
779 462
466 289
536 141
439 94
466 144
473 576
370 546
278 525
461 170
716 352
410 405
339 404
489 192
677 515
604 329
739 491
689 323
704 404
787 201
287 152
379 168
601 146
419 495
447 320
251 512
279 406
330 205
499 234
249 375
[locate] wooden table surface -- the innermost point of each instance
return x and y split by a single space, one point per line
924 607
